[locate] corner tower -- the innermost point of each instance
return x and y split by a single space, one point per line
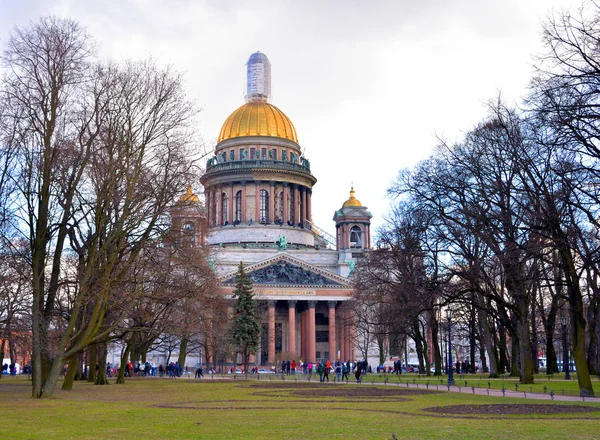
188 220
353 228
258 186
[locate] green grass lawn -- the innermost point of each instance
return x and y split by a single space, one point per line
215 409
543 383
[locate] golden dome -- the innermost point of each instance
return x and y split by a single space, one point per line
258 119
352 201
189 196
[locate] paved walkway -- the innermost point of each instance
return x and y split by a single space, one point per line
435 387
500 393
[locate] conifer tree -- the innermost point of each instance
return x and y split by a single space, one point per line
244 331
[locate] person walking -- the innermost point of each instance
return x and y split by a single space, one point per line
357 374
326 370
345 369
320 371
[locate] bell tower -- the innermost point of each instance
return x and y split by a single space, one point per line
188 220
353 230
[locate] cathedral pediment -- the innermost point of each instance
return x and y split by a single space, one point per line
285 272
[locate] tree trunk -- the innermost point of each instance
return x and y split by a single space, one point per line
93 353
578 323
71 372
514 356
592 354
502 351
123 366
534 340
525 354
101 378
472 338
182 352
49 385
437 353
484 367
81 373
551 358
487 343
381 347
418 342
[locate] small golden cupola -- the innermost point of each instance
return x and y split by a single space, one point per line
189 196
352 201
353 226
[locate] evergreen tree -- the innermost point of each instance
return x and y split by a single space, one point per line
244 331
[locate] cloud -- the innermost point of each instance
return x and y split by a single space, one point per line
368 84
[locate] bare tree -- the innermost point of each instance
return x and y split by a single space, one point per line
103 150
396 286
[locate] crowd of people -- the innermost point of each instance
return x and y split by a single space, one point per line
324 369
172 369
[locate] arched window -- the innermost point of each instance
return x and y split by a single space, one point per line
355 237
224 208
291 207
189 233
279 212
238 206
213 209
264 206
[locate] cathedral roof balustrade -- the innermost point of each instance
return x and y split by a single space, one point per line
214 166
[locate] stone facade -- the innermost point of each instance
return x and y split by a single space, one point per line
258 190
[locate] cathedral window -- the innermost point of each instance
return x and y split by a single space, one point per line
238 206
291 207
264 206
231 154
213 209
279 213
283 155
264 154
224 209
189 234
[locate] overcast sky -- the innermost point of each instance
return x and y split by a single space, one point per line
368 84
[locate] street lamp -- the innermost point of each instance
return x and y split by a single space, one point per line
450 369
563 320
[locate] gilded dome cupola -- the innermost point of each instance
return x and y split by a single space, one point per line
352 201
258 118
189 196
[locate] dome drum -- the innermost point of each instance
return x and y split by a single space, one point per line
247 170
257 142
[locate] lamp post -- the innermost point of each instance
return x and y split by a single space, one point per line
563 320
450 369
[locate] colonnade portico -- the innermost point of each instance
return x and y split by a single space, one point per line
301 340
288 203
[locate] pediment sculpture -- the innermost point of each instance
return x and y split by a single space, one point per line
283 272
